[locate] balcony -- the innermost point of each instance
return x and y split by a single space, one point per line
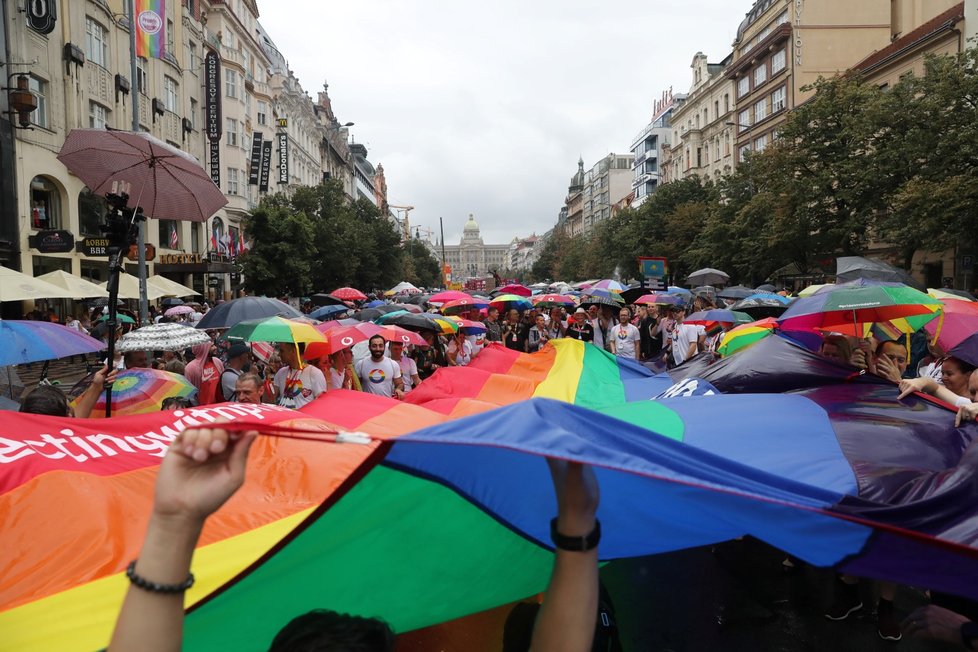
99 84
228 54
172 128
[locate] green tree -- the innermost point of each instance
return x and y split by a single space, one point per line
280 260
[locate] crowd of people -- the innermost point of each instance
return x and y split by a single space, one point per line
654 335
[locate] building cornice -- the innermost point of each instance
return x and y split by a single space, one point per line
749 58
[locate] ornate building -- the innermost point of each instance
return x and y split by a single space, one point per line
472 257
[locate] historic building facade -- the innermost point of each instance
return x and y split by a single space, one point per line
471 257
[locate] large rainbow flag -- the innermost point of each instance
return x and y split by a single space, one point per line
150 28
444 511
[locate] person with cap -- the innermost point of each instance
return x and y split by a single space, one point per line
237 362
579 326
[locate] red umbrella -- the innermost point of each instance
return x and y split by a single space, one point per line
515 288
338 338
168 183
553 300
349 294
448 295
402 335
463 305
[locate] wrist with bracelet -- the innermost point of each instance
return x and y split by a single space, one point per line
577 543
156 587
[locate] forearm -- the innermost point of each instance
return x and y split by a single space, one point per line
149 621
570 605
87 401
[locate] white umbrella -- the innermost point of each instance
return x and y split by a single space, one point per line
79 287
15 286
129 288
162 337
404 288
707 276
172 288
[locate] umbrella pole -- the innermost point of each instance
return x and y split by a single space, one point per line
115 267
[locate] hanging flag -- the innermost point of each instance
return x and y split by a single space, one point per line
243 242
214 239
234 244
174 239
150 28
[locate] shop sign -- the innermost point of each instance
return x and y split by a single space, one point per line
52 241
266 164
255 167
180 259
95 246
134 252
283 158
214 282
212 96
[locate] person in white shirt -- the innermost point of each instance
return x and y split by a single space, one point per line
478 340
297 386
459 351
379 374
625 337
686 339
409 368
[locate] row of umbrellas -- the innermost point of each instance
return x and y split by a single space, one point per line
15 286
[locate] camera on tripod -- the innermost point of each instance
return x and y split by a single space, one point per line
120 221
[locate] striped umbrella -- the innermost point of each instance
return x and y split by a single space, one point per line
464 305
138 391
31 341
660 299
745 335
506 302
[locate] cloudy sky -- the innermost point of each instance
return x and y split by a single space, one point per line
485 107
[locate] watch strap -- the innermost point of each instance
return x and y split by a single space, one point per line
575 543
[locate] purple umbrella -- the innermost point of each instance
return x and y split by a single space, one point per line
31 341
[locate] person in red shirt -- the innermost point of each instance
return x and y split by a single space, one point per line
204 372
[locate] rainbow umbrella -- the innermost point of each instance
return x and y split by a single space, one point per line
812 289
506 302
861 302
602 293
464 305
947 293
608 284
469 327
275 329
960 320
745 335
138 391
31 341
660 299
444 325
711 318
553 301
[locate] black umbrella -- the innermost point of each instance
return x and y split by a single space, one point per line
849 268
767 287
370 314
414 322
169 302
736 292
417 299
633 292
327 300
760 307
229 313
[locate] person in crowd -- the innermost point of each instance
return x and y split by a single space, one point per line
890 360
958 388
204 467
556 327
685 340
248 388
175 403
297 384
579 326
379 374
625 338
538 335
650 343
50 400
459 351
409 368
494 331
514 334
158 364
135 360
237 362
836 348
204 373
477 340
429 358
340 376
270 368
602 321
175 366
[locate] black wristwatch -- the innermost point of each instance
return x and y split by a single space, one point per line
969 634
578 543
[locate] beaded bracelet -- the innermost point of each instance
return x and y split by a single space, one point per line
154 587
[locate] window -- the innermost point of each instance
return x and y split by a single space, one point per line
98 116
760 144
170 94
39 88
232 131
716 109
743 86
716 142
195 237
231 83
777 62
170 47
760 110
45 204
760 75
726 102
96 43
228 39
781 19
91 211
232 181
777 100
142 81
169 234
194 107
744 118
194 57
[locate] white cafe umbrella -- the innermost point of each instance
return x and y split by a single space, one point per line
15 286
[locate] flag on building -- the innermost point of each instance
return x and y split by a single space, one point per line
225 244
174 239
150 28
214 239
233 244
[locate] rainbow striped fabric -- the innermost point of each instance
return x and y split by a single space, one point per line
150 28
445 511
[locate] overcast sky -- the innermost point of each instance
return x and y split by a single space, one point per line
485 107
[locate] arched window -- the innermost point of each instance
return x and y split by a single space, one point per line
218 243
45 204
91 213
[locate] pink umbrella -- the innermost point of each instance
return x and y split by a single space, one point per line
515 288
402 335
179 310
446 296
960 320
168 183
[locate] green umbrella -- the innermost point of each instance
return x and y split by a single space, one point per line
121 318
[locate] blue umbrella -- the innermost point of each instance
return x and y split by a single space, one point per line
328 311
683 292
31 341
760 296
375 303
